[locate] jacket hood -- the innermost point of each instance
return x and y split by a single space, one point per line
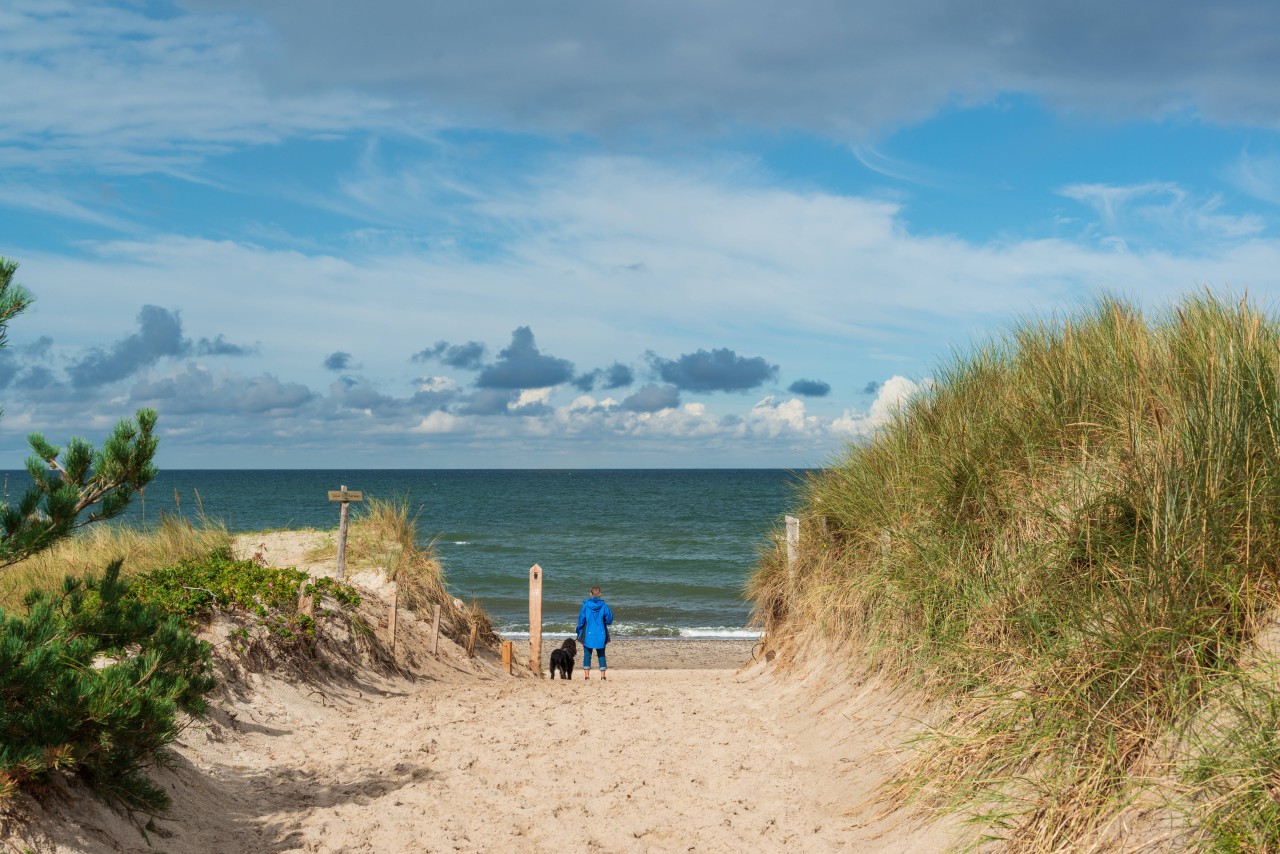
595 603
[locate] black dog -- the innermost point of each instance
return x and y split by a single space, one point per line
562 659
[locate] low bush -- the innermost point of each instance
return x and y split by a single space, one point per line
92 680
195 588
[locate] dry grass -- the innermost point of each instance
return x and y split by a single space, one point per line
92 549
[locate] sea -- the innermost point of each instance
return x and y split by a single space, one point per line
671 549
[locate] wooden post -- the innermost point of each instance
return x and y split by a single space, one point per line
535 619
307 607
471 644
395 602
506 657
435 629
344 498
307 601
793 541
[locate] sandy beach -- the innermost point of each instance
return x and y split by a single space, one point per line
658 654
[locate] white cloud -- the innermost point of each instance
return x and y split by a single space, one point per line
892 394
1160 212
439 422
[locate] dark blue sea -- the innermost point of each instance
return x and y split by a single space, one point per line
671 549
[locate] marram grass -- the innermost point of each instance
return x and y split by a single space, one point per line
1072 537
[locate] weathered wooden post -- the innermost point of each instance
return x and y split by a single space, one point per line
391 621
793 541
506 657
793 552
435 629
535 619
345 497
307 607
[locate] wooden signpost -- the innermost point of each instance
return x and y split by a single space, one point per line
345 497
535 619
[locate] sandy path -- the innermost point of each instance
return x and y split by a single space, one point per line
650 761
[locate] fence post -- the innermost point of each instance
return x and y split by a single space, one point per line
506 657
435 629
793 541
535 619
395 609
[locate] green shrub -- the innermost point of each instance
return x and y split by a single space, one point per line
91 681
194 588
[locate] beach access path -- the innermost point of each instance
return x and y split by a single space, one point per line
650 761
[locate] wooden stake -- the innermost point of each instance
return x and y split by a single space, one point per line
535 619
307 607
793 540
471 644
435 629
395 602
506 657
307 601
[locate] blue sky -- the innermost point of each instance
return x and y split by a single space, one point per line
407 234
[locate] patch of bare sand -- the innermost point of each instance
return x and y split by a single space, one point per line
451 754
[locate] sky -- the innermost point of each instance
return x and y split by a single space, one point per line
702 233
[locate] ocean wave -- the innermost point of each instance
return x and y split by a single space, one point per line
623 631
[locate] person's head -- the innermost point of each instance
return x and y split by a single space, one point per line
595 591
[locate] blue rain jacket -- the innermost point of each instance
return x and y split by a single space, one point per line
593 620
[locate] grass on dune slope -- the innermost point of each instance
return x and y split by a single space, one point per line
1073 536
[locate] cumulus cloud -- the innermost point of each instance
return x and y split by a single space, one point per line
788 416
652 398
196 389
893 394
220 346
521 365
468 356
338 361
810 388
488 401
717 370
615 376
159 335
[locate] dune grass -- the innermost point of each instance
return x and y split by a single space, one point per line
91 550
383 534
1073 535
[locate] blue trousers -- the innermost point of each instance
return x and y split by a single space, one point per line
586 658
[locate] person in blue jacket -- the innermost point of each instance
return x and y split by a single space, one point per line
593 631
